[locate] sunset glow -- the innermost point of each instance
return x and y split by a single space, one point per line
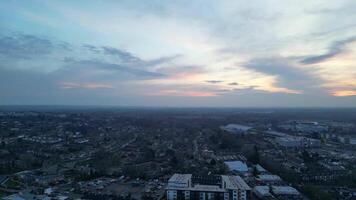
144 51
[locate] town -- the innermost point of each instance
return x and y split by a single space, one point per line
186 153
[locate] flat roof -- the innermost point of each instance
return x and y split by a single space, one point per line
206 179
236 128
260 168
236 165
285 190
233 182
276 133
180 178
268 177
264 191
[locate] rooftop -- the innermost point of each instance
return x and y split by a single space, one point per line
237 166
268 177
182 178
260 168
206 180
236 128
217 183
285 190
264 191
233 182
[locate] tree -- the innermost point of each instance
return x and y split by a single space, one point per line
306 156
314 192
147 197
212 162
254 171
149 154
174 160
270 189
255 158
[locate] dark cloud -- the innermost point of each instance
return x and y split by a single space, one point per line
222 91
20 46
334 30
129 58
65 46
335 49
91 48
214 81
24 46
161 60
121 54
72 67
253 88
288 75
86 65
233 83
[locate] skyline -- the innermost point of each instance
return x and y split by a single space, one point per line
181 54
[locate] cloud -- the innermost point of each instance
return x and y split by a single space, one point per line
21 46
128 58
99 65
66 58
161 60
65 46
334 49
288 74
214 81
182 93
91 48
233 83
344 93
25 46
57 69
69 85
121 54
338 29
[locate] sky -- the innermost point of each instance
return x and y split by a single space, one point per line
185 53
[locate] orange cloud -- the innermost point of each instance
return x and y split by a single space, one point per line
182 93
69 85
344 93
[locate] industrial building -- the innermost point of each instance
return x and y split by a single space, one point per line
237 166
276 192
210 187
297 142
236 128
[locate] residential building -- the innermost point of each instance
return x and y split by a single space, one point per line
210 187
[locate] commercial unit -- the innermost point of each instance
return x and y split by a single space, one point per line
297 142
261 170
236 128
276 192
304 127
269 179
310 127
211 187
237 166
